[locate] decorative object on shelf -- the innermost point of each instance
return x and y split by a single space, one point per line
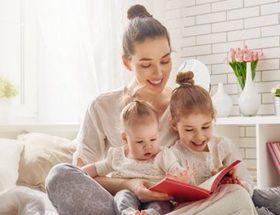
249 101
7 92
200 71
274 150
276 92
222 102
237 59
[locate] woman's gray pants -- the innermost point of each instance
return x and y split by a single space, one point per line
73 192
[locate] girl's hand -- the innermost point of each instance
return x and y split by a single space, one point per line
183 175
229 178
215 171
140 188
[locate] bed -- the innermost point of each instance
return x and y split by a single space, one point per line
24 163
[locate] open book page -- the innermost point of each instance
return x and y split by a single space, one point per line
212 183
209 182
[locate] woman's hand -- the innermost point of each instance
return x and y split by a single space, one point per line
140 188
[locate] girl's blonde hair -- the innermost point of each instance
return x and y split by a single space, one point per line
136 111
189 98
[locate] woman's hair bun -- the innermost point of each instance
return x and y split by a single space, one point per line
137 11
185 78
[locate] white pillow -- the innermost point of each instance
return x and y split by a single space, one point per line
10 151
41 152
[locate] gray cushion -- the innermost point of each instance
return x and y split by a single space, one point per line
268 198
264 211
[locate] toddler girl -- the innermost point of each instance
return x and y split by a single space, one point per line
139 157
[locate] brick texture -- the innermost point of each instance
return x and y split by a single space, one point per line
207 29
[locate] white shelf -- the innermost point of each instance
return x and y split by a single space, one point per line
267 129
248 120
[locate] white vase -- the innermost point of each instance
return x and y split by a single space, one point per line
222 102
277 105
249 101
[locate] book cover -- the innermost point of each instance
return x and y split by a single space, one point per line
274 151
183 192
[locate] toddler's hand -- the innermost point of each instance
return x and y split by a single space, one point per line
184 175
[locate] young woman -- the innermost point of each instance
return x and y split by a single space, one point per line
146 53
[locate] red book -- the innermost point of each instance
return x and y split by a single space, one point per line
274 150
183 192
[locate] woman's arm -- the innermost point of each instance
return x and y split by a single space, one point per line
91 138
80 163
90 169
138 186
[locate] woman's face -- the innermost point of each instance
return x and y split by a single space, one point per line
151 63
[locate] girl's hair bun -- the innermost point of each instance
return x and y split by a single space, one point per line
185 78
137 11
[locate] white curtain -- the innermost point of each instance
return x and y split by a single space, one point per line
78 54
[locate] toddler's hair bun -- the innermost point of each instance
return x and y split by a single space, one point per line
185 78
137 11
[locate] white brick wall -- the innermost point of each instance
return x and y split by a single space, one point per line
207 29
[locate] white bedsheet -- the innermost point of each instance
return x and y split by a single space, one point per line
25 201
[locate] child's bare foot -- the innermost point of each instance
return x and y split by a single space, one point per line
143 213
138 213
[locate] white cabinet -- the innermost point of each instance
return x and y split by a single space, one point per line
267 129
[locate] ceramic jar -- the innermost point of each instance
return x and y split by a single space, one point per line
277 105
222 102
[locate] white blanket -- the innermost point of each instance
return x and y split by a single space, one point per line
25 201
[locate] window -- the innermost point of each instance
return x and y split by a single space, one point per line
12 58
61 54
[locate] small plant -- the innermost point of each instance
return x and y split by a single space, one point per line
276 91
7 88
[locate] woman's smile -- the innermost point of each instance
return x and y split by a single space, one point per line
156 83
